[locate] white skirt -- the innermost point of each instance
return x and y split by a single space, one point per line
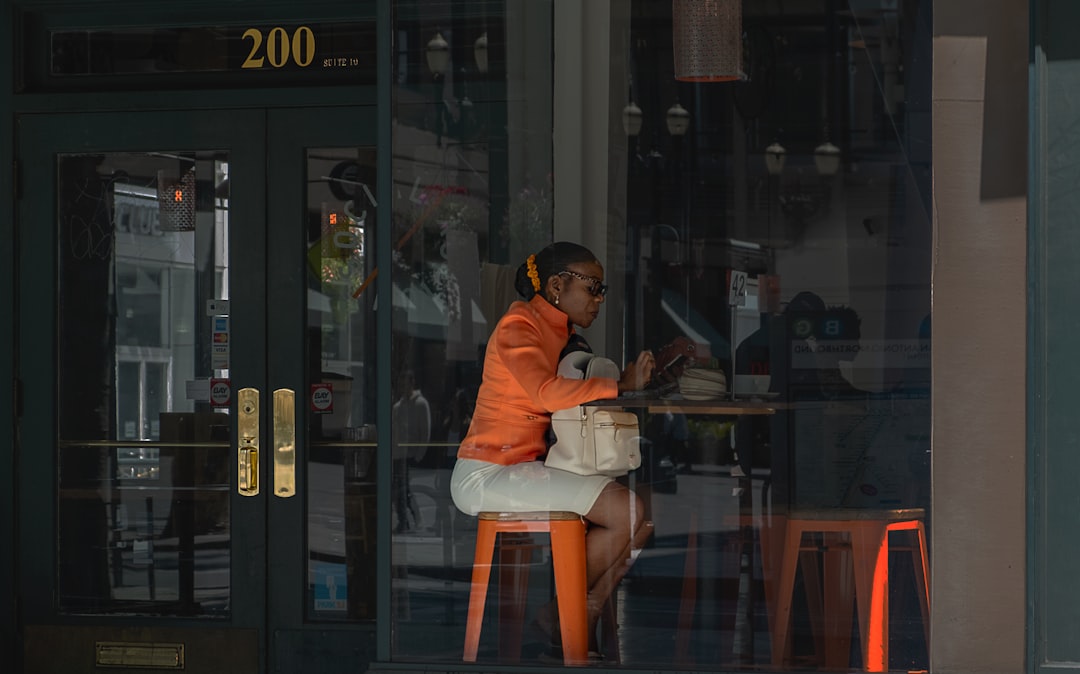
480 486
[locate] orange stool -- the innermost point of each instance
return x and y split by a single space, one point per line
567 531
864 536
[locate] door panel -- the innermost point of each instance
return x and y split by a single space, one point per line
202 380
322 187
128 518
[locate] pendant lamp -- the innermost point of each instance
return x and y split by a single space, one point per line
480 52
707 35
775 158
678 120
438 55
827 159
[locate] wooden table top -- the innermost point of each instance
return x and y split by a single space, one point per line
720 406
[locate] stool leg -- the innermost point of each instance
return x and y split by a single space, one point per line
921 569
771 537
870 543
790 558
815 600
689 595
922 579
839 601
609 632
514 554
485 547
568 557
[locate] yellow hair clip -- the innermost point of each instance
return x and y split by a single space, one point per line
533 273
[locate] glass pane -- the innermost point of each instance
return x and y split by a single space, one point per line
823 421
341 356
143 478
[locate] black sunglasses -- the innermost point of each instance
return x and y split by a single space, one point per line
596 288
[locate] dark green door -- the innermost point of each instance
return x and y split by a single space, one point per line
196 449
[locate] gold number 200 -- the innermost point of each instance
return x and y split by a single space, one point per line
279 47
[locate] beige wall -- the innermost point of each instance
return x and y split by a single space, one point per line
979 354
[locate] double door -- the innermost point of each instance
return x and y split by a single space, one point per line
196 350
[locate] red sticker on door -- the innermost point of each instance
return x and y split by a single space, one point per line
220 393
322 398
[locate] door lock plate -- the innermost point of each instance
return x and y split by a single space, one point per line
247 446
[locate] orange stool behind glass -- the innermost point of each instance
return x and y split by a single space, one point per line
856 543
567 531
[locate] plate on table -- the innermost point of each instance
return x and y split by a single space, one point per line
702 373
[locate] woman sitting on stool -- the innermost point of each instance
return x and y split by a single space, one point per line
500 461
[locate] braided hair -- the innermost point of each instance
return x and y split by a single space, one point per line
533 274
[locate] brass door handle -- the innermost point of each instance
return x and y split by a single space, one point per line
284 443
247 446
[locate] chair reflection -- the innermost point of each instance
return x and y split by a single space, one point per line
854 547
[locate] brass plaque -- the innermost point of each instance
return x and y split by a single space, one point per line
139 655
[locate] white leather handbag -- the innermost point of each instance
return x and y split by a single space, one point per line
592 440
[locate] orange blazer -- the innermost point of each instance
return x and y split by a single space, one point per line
520 389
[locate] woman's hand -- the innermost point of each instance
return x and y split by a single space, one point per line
637 374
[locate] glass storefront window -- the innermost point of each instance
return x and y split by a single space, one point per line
774 229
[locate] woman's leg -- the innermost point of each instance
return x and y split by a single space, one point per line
616 528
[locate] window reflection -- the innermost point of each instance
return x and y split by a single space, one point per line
807 181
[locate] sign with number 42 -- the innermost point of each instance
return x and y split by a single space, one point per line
737 289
